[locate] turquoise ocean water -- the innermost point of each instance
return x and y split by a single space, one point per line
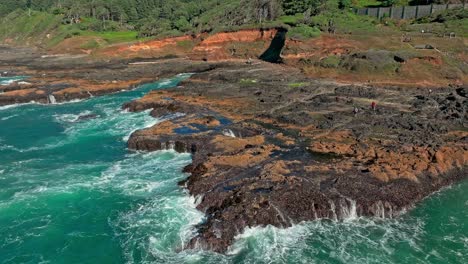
70 192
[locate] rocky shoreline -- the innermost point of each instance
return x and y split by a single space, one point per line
66 77
270 146
273 148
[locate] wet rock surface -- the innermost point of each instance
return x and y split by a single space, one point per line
271 147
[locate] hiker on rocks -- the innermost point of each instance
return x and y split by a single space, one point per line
355 110
374 106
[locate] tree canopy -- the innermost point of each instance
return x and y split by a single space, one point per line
151 17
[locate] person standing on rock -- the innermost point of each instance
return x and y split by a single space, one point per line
374 106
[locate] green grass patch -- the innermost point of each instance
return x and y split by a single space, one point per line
112 37
247 81
345 22
304 32
292 20
367 3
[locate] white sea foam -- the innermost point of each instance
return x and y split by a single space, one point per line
8 117
164 83
74 101
4 107
71 118
15 105
37 148
348 210
111 122
8 147
168 218
340 239
149 122
138 173
167 214
10 80
30 193
229 133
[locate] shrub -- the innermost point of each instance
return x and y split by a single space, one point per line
304 32
344 22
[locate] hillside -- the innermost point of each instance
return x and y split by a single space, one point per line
325 38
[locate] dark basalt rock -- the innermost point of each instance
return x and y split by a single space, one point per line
244 182
273 53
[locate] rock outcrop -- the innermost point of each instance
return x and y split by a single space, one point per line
272 148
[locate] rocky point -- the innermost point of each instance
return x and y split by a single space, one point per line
271 147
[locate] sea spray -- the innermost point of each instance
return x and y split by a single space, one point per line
333 214
169 145
52 99
348 209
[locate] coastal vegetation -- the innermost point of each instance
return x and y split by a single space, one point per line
48 22
328 38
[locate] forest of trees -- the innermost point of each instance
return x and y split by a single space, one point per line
152 16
